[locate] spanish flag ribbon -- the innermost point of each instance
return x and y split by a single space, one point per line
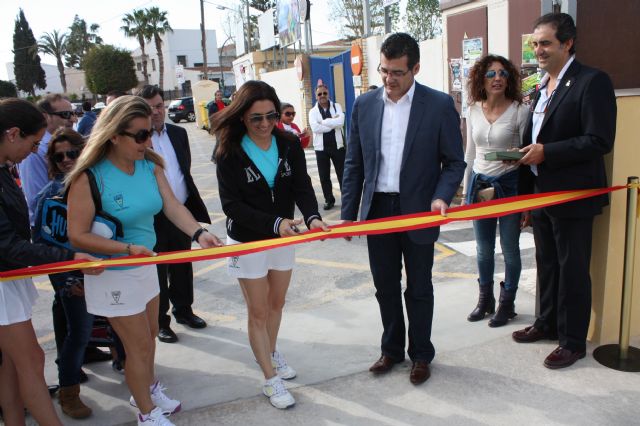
410 222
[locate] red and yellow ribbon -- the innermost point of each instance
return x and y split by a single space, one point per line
493 208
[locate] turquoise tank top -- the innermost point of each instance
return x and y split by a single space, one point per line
132 199
266 161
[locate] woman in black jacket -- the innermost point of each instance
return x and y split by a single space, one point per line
262 175
22 383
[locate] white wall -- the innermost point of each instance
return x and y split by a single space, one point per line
288 89
431 64
372 46
52 77
498 27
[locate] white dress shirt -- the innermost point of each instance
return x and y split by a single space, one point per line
162 145
543 103
395 121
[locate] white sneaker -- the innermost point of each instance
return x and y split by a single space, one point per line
155 418
277 393
283 370
160 400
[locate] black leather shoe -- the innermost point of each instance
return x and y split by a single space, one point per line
561 358
329 205
190 319
92 354
532 334
167 335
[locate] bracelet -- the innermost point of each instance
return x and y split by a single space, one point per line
197 234
128 249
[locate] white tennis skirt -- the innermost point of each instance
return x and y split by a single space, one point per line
121 292
257 265
17 298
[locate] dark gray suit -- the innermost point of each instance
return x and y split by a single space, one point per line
432 168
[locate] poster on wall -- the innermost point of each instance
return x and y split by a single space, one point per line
455 66
288 22
528 55
471 50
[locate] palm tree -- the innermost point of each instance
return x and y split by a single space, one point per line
136 26
55 44
158 25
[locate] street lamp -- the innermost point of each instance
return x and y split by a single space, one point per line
247 40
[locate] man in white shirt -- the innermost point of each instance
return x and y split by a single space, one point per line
404 156
326 120
176 280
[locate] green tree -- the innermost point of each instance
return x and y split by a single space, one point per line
136 26
108 68
424 20
55 44
158 26
80 40
8 89
349 16
26 61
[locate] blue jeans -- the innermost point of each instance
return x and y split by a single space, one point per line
79 326
485 231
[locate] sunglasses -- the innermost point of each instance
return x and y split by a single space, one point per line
271 117
64 114
492 74
322 93
58 157
141 136
290 114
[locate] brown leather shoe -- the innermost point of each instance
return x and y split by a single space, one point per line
383 365
562 357
531 334
419 372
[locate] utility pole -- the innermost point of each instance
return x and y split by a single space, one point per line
366 16
248 28
204 42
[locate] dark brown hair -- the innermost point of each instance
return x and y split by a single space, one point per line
564 26
476 79
228 125
22 114
62 135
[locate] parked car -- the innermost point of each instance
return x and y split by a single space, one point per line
98 107
182 109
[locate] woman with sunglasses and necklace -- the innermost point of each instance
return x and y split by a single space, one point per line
262 175
495 122
286 123
22 383
133 188
64 148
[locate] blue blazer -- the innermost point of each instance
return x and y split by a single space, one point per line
432 161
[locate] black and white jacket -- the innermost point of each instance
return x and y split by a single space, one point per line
254 211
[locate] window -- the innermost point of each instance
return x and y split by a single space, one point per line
139 66
153 64
182 60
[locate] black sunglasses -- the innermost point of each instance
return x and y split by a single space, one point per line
141 136
72 154
271 117
64 114
322 93
290 114
492 73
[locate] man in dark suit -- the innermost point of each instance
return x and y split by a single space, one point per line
176 280
404 156
571 127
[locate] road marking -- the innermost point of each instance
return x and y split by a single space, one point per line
468 248
209 268
46 338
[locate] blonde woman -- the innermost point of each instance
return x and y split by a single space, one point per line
133 188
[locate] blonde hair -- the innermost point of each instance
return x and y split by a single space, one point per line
113 120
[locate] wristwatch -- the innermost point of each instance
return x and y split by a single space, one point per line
197 234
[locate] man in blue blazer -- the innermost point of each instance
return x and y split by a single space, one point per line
404 156
176 280
571 127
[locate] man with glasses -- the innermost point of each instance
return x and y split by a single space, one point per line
404 156
326 120
176 280
571 127
33 170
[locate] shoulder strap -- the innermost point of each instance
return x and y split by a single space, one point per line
95 192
